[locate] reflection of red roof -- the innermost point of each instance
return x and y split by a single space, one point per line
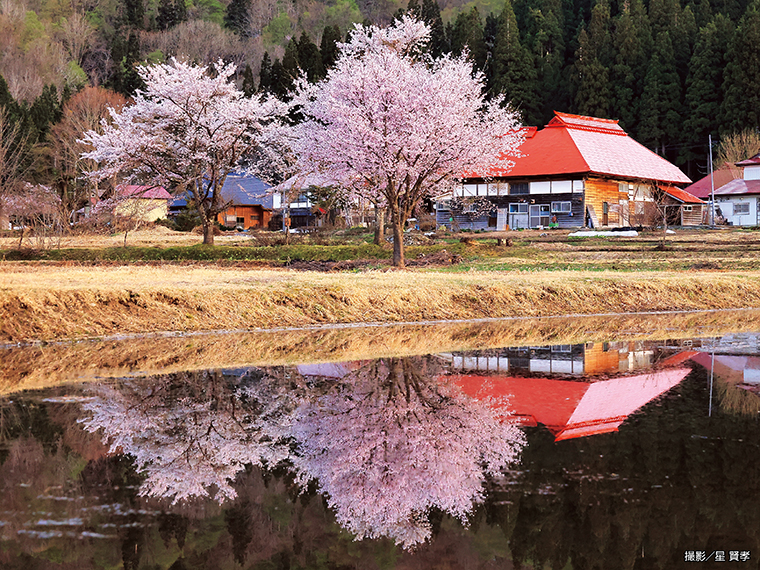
146 192
679 358
573 409
576 145
681 195
728 367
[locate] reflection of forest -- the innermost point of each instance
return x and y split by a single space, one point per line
672 479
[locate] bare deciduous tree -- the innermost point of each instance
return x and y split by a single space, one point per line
12 158
82 113
737 147
77 34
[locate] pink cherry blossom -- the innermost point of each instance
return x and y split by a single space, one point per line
394 126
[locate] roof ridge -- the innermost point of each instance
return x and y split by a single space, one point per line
587 123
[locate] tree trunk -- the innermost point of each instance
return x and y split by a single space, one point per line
379 226
208 232
398 238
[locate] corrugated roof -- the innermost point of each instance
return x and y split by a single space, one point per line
738 187
144 191
681 195
576 145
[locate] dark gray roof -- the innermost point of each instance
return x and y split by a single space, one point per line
239 189
246 190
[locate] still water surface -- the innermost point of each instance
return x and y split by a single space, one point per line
619 454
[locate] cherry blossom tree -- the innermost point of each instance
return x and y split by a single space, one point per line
37 208
187 130
395 126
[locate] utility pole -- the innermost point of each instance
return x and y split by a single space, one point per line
712 185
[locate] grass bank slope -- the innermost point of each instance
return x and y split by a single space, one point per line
46 303
44 365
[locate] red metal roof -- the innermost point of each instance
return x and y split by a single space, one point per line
578 145
681 195
738 187
753 161
147 192
702 187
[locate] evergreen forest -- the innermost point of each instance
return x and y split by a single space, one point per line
672 72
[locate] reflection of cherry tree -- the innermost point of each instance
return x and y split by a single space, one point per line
385 442
387 445
193 431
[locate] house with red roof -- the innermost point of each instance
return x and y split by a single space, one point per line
738 201
704 187
141 202
577 171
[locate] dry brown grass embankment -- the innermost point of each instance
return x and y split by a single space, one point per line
48 303
39 366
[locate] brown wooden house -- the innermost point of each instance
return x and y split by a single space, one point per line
576 172
250 202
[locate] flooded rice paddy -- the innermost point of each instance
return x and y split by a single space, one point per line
576 443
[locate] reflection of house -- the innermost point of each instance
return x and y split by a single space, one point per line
250 202
733 368
577 360
144 203
577 171
571 409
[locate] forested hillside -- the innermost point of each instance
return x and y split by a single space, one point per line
672 71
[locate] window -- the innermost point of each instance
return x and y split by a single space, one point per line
240 220
519 188
688 208
741 209
518 208
497 189
255 216
540 187
561 207
577 185
562 187
544 209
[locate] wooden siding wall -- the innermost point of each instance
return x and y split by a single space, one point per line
597 360
599 191
246 212
693 218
